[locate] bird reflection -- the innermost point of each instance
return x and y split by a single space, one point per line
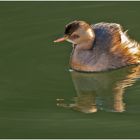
101 91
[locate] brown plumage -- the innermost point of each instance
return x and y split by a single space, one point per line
100 47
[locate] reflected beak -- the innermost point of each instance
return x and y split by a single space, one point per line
61 39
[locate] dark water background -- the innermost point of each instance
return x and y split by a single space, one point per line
40 98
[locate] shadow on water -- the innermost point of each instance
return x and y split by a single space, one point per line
101 91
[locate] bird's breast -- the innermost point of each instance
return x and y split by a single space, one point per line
87 60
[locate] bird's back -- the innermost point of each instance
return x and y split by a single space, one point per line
107 34
111 40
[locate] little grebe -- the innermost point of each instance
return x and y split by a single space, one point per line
100 47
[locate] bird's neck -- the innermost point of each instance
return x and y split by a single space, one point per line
85 45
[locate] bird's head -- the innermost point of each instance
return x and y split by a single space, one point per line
77 32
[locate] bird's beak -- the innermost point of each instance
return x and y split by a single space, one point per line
61 39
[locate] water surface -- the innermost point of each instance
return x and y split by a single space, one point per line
40 97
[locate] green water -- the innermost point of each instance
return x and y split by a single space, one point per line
40 97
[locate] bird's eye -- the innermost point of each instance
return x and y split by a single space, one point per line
75 36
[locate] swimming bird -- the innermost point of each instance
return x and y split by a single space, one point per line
100 47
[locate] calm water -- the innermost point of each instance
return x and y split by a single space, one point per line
40 97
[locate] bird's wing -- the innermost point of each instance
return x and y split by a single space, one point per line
107 34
